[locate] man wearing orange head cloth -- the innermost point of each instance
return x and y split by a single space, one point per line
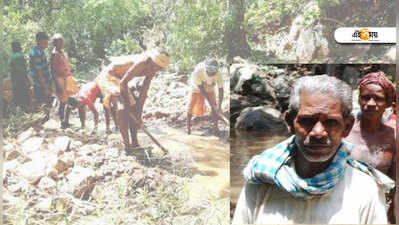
113 82
375 141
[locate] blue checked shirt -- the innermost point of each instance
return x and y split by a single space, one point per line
38 62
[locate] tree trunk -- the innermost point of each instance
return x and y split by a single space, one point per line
235 33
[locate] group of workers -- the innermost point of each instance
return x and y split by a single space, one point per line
111 85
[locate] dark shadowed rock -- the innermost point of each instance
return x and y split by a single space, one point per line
282 87
351 76
239 103
260 118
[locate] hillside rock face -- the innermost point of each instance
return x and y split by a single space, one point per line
309 36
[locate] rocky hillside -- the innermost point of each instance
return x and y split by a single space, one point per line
309 36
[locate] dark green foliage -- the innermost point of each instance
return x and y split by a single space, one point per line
190 30
94 29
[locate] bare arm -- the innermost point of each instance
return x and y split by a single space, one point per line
133 71
203 91
221 92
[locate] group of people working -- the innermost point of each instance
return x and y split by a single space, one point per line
111 85
338 167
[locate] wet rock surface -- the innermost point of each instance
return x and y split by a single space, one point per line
260 118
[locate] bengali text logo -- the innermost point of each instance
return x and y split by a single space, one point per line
365 34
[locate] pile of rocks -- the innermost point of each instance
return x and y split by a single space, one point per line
45 167
169 96
259 94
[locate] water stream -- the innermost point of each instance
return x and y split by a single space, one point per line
244 145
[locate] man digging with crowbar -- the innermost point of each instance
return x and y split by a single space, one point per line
113 82
205 76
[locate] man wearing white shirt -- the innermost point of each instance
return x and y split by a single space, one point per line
203 81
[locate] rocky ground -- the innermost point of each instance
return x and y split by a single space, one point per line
77 176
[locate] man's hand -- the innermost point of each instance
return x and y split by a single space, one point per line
203 91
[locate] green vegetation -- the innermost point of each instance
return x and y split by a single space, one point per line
190 30
12 124
264 18
95 29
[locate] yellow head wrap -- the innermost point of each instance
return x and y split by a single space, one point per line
159 58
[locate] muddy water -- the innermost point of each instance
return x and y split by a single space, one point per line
210 162
244 145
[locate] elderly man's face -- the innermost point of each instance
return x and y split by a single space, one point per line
319 126
372 101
